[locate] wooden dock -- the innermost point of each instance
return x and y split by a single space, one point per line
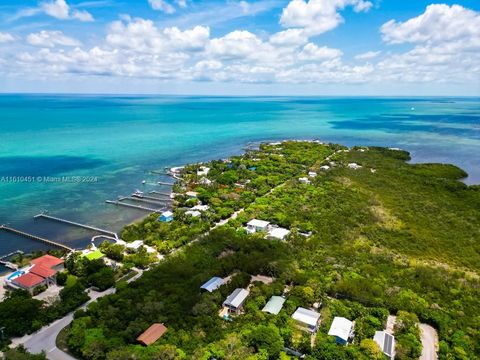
159 193
69 222
150 198
146 200
139 207
164 183
35 237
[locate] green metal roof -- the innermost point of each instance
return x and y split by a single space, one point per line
97 254
274 305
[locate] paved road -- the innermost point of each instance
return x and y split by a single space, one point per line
45 338
429 342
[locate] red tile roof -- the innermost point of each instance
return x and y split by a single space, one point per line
28 280
42 271
152 334
47 261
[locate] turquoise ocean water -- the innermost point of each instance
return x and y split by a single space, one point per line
113 142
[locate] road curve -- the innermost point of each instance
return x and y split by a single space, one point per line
429 339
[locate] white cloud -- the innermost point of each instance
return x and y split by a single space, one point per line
367 55
50 39
162 5
59 9
318 16
314 52
439 23
6 37
289 37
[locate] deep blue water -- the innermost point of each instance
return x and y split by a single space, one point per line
119 139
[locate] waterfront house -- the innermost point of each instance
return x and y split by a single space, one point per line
203 171
386 342
235 300
274 305
307 319
213 284
42 271
278 233
342 329
166 216
255 225
152 334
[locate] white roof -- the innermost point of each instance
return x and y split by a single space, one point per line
274 305
201 207
341 328
167 213
385 341
191 193
193 213
279 233
134 244
212 284
258 223
306 316
236 298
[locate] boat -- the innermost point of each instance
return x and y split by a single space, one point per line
138 194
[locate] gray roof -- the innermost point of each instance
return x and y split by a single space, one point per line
236 298
213 284
306 316
274 305
385 341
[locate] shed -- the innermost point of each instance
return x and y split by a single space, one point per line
274 305
166 216
307 317
213 284
386 342
152 334
235 300
341 328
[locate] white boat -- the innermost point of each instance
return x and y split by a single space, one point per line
138 194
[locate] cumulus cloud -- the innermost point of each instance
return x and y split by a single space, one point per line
6 37
289 37
314 52
59 9
318 16
162 5
367 55
50 39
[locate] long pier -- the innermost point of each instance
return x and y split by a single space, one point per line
139 207
160 193
145 200
151 198
35 237
9 264
164 183
69 222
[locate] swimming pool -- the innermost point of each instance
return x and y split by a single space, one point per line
15 275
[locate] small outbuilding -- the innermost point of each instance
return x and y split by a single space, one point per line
213 284
307 318
166 216
191 194
341 328
256 225
278 233
235 300
274 305
304 180
386 342
152 334
193 213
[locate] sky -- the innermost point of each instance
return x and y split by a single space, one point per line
229 47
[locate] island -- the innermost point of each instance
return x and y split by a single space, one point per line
294 249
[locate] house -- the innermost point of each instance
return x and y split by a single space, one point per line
278 233
166 216
235 300
342 329
191 194
43 271
134 245
213 284
255 225
203 171
205 181
354 166
274 305
312 174
193 213
386 342
152 334
307 319
304 180
324 167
